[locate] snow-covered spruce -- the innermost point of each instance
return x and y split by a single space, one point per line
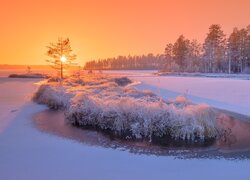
102 103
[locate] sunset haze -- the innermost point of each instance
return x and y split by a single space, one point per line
101 29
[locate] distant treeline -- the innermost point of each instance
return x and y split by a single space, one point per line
149 62
218 53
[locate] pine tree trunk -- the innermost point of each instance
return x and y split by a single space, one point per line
61 70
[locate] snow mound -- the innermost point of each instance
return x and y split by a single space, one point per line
102 103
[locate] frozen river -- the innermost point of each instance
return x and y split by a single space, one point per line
27 152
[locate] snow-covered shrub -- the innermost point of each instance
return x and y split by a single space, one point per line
54 96
123 81
181 101
74 81
104 104
139 118
54 79
146 94
195 121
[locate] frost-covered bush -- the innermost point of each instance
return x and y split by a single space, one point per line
102 103
54 79
74 81
122 81
139 118
132 92
54 96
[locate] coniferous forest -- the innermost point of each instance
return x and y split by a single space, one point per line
217 54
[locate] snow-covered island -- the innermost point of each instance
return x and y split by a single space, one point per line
113 105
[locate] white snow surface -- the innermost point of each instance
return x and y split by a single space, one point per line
104 101
12 98
26 153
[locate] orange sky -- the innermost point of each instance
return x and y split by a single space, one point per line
108 28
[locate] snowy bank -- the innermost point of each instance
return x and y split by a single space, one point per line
206 75
106 103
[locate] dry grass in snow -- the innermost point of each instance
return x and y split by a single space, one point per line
107 103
